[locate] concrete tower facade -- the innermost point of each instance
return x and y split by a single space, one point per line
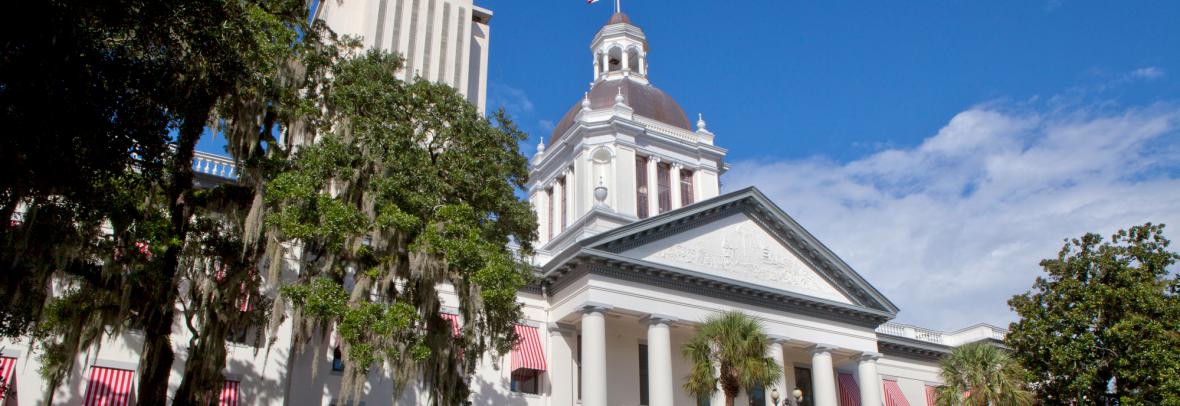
445 41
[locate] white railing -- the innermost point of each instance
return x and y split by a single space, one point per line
908 331
215 165
892 329
667 129
999 334
969 334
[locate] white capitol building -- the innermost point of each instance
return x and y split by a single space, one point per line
637 247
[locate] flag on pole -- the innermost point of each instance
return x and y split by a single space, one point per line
591 1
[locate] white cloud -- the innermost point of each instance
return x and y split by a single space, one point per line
952 228
514 100
1148 73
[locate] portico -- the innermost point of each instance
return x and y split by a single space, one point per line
613 339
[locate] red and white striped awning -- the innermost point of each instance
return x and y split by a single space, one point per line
109 387
244 300
893 395
930 394
454 319
7 365
527 354
229 394
849 391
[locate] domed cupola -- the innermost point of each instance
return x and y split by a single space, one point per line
620 65
625 151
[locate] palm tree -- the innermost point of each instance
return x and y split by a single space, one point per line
736 343
981 374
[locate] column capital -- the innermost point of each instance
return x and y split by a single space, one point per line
593 307
562 329
677 165
653 159
869 356
777 339
823 348
653 318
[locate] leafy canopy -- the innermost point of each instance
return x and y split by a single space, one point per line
733 344
106 101
981 374
409 190
1104 319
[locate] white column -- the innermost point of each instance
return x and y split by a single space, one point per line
674 177
596 67
605 62
823 377
870 382
626 59
542 207
558 204
594 355
643 63
660 381
653 192
562 388
775 352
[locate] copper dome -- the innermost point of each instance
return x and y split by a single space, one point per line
646 100
619 18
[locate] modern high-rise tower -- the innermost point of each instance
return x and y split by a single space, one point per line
444 41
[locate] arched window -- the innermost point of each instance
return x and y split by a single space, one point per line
614 59
633 59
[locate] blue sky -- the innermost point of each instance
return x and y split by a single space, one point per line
942 148
838 79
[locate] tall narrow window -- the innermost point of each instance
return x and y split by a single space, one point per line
641 187
564 193
578 379
414 7
552 209
337 360
442 55
664 185
426 50
643 381
686 194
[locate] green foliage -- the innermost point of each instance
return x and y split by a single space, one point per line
1105 316
982 374
109 99
733 344
407 189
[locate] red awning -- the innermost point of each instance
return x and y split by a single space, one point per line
109 387
849 391
930 390
893 395
229 393
454 319
7 365
527 354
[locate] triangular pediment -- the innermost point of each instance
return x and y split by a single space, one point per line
741 239
737 247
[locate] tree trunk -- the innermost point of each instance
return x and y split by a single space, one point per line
157 357
202 370
161 288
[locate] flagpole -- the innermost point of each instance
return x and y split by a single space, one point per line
618 7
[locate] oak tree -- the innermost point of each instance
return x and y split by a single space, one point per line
1104 322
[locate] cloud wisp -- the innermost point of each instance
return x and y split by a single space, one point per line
952 228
